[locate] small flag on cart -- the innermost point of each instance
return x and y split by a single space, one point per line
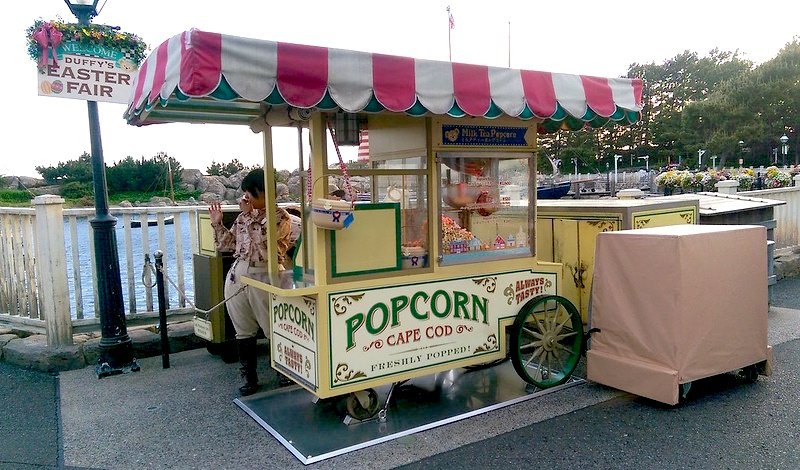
363 147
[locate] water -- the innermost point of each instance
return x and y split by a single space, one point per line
85 260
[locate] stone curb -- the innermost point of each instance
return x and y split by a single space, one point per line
32 352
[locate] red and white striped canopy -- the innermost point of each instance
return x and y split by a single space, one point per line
200 76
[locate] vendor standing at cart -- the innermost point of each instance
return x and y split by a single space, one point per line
247 239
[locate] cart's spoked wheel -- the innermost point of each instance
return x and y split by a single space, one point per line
546 341
362 405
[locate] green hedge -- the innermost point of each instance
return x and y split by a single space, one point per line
15 196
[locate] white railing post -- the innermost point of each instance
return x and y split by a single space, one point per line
51 261
796 180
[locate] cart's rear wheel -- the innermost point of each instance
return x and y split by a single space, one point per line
546 341
362 405
750 373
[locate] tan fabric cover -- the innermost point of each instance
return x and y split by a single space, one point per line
676 304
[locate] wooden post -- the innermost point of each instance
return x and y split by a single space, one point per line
51 261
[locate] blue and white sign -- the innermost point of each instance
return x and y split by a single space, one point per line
483 136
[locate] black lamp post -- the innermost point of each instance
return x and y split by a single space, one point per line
784 147
116 350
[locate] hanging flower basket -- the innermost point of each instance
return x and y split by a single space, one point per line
47 40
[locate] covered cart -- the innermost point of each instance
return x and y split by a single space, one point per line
431 271
694 307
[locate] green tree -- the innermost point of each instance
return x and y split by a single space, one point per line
668 89
228 169
755 108
143 175
72 170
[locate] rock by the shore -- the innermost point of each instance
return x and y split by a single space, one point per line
12 182
125 203
230 195
40 190
30 182
160 201
191 176
235 180
210 197
212 184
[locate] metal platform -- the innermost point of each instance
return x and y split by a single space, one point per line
316 431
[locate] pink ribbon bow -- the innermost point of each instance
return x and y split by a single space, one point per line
48 38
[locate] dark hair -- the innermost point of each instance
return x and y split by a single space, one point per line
338 193
253 183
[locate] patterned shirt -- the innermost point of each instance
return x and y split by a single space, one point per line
247 237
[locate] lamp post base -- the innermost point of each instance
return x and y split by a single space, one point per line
105 370
116 357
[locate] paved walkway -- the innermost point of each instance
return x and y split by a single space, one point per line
184 418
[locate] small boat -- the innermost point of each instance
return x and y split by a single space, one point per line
554 191
168 220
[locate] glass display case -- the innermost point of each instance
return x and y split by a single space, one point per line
485 208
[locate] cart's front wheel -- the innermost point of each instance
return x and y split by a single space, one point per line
362 405
546 341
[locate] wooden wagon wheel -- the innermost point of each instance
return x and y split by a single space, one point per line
546 341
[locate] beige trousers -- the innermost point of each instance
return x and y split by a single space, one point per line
249 309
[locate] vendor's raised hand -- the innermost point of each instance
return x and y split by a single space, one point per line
215 213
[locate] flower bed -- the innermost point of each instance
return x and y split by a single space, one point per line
685 180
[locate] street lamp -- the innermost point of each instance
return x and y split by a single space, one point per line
116 349
784 147
616 159
646 159
741 153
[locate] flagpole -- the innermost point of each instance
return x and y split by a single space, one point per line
449 29
449 45
509 44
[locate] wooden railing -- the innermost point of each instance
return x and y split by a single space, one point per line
46 253
131 266
18 287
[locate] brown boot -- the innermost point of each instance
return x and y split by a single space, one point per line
248 357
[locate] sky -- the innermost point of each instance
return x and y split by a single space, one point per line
580 36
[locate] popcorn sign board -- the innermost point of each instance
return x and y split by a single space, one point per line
385 331
93 73
294 337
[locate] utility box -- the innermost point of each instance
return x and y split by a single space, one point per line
210 268
693 306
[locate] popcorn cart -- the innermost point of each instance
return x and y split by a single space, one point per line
438 269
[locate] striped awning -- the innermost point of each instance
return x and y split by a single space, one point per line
198 76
